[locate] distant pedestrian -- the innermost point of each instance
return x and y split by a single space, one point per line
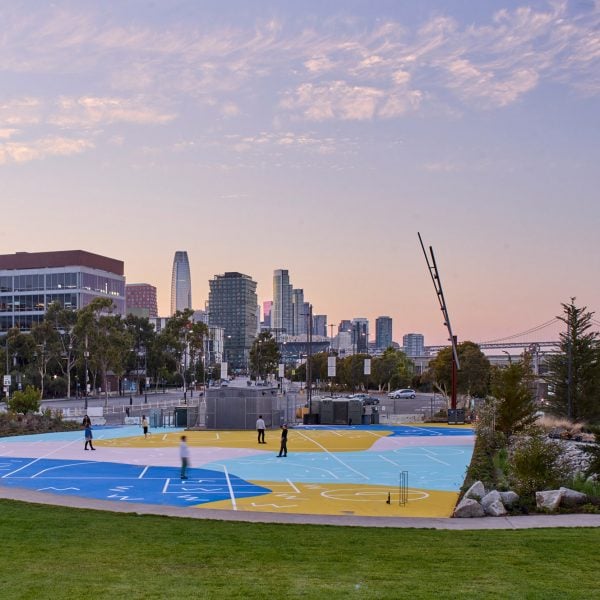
86 421
145 425
184 453
88 437
260 427
283 447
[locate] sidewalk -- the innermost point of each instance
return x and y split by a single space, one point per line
520 522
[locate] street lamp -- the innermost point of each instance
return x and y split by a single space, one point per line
86 355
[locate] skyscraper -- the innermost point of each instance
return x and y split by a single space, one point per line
181 283
383 332
320 325
414 344
360 335
233 305
282 314
299 313
267 306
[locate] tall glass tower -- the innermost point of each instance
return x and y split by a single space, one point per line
181 283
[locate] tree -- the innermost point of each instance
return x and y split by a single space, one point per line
473 376
392 369
47 344
24 402
264 355
64 321
574 373
512 386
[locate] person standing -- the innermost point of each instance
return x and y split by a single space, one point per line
88 436
145 426
283 447
184 453
260 427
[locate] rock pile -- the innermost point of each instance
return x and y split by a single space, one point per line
479 503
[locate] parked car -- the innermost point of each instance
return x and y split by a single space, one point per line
365 399
404 393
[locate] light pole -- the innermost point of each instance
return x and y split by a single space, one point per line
86 355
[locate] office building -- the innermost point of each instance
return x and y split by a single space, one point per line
282 314
141 300
267 306
360 335
31 281
181 283
345 325
413 344
383 332
232 305
299 311
320 325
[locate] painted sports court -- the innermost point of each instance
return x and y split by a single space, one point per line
329 470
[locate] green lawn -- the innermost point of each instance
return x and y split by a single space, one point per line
54 552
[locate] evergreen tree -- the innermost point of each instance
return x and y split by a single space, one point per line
574 373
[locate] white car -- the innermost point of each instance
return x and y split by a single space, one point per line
405 393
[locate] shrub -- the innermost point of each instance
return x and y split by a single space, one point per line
536 465
593 452
24 402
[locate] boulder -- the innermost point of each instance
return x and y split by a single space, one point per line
509 498
476 491
490 498
550 499
495 509
468 508
572 498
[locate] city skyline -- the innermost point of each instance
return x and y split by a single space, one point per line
317 138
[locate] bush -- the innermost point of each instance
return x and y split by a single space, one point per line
537 465
25 402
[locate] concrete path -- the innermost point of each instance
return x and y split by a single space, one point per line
520 522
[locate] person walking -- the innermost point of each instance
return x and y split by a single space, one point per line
260 427
145 426
86 421
88 436
283 447
184 453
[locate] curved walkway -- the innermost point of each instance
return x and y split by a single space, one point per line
520 522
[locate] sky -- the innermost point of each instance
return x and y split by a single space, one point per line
318 137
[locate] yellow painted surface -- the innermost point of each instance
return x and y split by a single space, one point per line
337 440
342 499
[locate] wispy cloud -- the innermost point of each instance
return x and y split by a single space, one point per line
22 152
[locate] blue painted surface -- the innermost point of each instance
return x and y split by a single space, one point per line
100 433
396 430
126 483
439 468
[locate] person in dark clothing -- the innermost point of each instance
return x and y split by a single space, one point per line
283 447
86 421
88 437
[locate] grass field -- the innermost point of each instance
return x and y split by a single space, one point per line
54 552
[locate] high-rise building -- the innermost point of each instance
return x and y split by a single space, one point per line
345 325
413 344
298 310
232 305
383 332
360 335
31 281
141 299
282 314
181 283
267 306
320 325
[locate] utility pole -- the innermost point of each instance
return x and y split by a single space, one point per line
308 359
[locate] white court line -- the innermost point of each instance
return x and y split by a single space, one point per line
40 458
164 437
165 487
89 462
233 504
293 486
432 457
388 460
218 436
144 471
333 455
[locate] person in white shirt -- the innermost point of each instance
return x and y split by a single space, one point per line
145 424
260 427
